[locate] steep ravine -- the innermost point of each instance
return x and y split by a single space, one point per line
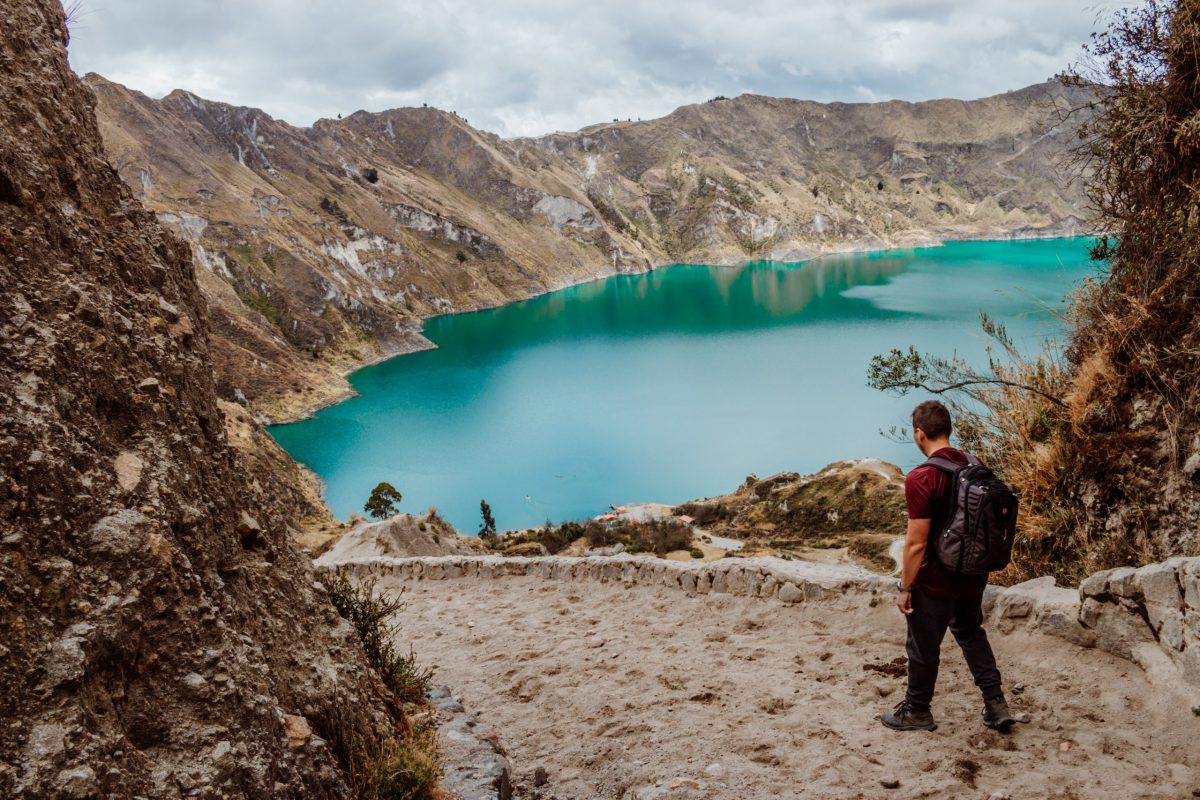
321 249
160 635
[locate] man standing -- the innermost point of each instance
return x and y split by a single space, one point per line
934 598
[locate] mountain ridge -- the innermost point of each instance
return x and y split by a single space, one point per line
323 248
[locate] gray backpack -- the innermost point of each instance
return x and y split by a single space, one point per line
978 535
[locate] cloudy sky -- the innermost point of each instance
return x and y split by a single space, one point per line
525 67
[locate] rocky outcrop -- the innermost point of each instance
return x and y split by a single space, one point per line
399 536
160 636
322 248
854 504
1147 612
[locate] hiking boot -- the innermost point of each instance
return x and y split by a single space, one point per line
996 714
904 718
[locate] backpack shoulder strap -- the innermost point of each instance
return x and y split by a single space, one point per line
944 464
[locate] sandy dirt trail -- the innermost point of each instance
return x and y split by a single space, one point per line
646 692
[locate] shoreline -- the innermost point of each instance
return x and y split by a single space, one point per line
347 392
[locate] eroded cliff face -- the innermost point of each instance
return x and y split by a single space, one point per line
322 248
160 636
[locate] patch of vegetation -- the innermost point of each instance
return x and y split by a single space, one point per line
718 98
696 552
741 195
875 549
384 501
659 537
382 768
334 210
406 766
705 514
371 175
607 211
258 300
369 614
407 770
460 256
488 526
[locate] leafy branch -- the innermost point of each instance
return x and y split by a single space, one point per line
902 371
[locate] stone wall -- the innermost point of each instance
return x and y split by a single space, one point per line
1149 615
1146 613
774 578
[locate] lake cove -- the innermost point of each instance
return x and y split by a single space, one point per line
670 385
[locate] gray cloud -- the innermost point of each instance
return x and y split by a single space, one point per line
522 67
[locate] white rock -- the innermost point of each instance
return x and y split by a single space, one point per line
128 466
77 782
790 593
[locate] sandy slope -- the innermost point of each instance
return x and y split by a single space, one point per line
647 692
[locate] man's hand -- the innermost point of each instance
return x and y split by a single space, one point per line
904 603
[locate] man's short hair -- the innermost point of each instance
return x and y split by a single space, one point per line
933 418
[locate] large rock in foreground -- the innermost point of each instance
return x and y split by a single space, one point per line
159 634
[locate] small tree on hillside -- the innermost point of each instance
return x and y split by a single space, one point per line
488 528
384 501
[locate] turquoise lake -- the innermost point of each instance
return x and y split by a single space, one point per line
671 385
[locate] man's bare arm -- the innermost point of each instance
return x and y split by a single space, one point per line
914 551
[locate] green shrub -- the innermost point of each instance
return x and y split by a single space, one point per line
705 513
696 552
369 614
488 527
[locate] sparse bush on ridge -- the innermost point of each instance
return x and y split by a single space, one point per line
658 536
705 513
334 210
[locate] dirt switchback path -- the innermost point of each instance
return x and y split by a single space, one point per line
646 692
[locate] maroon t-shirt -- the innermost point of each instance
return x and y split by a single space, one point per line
929 493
